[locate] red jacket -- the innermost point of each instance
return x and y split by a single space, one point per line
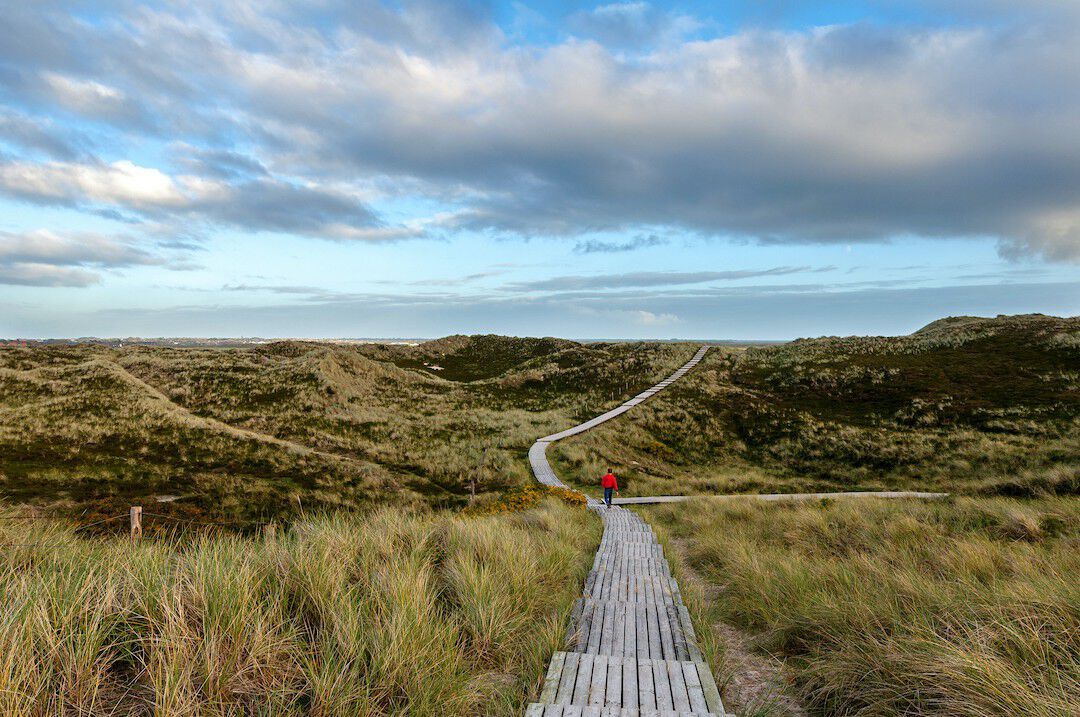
608 481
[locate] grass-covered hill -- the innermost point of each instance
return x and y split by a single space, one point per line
969 404
473 358
965 404
255 432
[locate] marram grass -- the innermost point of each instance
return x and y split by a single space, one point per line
959 608
387 613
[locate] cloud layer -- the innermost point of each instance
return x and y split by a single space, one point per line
43 258
299 118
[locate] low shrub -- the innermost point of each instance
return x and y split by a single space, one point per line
524 498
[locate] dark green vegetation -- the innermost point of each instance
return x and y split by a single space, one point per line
987 406
244 434
965 607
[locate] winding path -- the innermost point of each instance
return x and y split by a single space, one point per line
781 497
630 650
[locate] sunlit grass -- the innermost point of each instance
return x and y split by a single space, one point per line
965 607
393 612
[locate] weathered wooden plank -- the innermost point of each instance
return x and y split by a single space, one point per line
573 630
598 684
551 681
691 636
619 629
681 652
607 639
584 680
666 641
656 649
662 685
567 681
646 689
693 687
642 627
613 694
708 686
585 627
664 586
629 683
596 630
629 646
679 695
534 710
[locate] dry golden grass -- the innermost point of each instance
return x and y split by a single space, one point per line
959 607
392 613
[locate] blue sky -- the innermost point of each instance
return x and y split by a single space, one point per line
340 168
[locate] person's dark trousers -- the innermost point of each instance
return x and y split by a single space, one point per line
607 495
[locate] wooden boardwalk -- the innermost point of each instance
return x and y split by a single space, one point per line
780 497
630 648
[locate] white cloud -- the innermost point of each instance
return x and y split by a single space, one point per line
77 92
648 318
30 274
91 99
122 183
81 248
45 258
260 203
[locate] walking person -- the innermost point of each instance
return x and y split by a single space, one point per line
610 485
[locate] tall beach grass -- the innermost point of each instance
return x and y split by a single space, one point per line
960 608
389 613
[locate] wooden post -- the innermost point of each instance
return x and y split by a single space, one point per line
135 517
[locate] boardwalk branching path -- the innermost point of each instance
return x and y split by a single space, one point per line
630 648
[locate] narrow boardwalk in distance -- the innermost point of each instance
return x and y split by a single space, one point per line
630 648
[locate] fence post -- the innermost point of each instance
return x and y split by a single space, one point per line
135 517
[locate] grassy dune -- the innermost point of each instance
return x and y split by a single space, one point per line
959 607
964 607
249 433
393 613
984 406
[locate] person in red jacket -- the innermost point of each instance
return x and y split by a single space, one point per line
609 484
